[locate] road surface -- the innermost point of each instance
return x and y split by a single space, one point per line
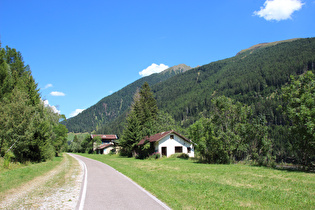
105 188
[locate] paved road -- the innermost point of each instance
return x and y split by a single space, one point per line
106 188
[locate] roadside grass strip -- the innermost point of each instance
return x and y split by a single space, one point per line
55 189
186 184
18 174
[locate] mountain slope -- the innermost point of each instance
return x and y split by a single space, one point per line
252 77
247 77
111 107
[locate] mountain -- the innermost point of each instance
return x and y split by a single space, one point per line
249 77
263 45
254 77
113 106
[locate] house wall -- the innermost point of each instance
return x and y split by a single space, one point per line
107 150
170 144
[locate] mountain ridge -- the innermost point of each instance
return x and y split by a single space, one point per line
263 45
112 106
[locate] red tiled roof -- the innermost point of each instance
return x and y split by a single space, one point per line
159 136
102 146
105 136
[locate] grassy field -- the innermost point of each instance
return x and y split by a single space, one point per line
185 184
17 174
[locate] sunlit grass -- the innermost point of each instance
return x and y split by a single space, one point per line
185 184
18 174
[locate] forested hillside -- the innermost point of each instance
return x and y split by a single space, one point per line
249 77
109 108
254 77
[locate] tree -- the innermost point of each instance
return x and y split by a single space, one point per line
300 108
28 129
140 120
231 134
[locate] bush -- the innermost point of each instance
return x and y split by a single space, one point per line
180 155
155 155
7 159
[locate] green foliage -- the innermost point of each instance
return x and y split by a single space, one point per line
231 134
180 155
7 159
28 128
154 156
140 121
300 109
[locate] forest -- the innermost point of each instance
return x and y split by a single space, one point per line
253 85
29 130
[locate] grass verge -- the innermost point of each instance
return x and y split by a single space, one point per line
18 174
185 184
58 188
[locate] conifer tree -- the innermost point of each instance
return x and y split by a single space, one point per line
140 120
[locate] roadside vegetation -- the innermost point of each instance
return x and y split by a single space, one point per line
187 184
48 185
17 174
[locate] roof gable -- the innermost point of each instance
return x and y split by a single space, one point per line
159 136
105 136
102 146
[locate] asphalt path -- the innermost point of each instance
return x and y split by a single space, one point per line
103 187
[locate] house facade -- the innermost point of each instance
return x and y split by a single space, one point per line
170 142
108 143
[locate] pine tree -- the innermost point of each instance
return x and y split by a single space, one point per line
140 121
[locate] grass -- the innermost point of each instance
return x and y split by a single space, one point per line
185 184
18 174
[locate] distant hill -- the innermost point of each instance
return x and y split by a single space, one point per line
254 77
249 77
113 106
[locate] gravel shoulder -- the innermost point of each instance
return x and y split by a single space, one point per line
57 189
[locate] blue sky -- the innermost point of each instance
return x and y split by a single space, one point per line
82 51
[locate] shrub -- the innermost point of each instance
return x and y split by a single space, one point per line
180 155
7 159
155 155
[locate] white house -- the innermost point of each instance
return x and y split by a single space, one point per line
106 148
170 142
108 143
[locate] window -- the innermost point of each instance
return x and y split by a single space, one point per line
172 137
188 149
178 149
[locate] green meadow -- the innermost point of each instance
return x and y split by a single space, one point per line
187 184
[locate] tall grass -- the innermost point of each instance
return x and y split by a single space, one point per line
185 184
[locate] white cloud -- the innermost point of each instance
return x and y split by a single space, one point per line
48 86
53 108
76 112
279 9
56 93
154 68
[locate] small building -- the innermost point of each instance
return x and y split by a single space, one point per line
109 143
170 142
